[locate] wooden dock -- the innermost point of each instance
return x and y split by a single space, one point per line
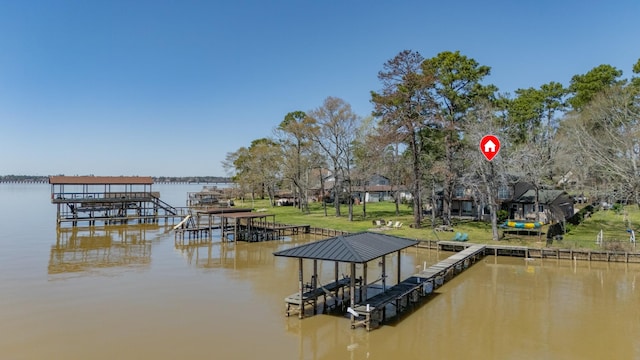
315 291
373 311
235 224
541 253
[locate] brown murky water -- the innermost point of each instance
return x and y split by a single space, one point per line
131 293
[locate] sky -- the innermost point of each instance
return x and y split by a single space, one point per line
168 88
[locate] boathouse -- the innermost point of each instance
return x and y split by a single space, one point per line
108 199
359 248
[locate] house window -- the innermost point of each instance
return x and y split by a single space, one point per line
540 208
503 192
459 192
467 208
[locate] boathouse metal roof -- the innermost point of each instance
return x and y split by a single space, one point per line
100 180
353 248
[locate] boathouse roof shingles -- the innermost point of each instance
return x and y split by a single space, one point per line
353 248
100 180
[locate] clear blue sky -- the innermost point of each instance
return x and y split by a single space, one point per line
169 87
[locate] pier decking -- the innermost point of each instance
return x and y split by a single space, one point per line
235 224
372 311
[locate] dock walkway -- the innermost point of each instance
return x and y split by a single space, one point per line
412 290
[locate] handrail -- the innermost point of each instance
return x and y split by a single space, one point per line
164 205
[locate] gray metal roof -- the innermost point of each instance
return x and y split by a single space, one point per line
353 248
544 196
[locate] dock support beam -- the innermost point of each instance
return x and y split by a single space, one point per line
301 288
314 285
352 292
399 268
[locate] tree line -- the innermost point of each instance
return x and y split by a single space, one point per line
424 132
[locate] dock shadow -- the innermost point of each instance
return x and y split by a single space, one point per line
398 317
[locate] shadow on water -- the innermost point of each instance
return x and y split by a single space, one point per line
394 319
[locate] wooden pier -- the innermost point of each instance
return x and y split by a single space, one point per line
409 292
540 253
235 224
391 301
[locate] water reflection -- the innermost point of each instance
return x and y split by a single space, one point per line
212 252
79 249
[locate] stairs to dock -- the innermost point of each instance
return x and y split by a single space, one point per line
163 205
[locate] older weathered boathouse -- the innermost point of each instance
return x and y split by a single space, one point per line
235 224
108 199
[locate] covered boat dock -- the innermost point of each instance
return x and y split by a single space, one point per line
359 248
370 309
108 199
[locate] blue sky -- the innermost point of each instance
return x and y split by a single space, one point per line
169 87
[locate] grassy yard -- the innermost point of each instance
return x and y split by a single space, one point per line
614 225
478 231
583 236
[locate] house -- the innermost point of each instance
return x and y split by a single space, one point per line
465 203
518 199
553 205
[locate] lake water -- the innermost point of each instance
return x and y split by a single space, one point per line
131 293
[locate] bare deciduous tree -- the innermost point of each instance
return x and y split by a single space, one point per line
335 132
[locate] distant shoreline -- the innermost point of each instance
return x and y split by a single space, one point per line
27 179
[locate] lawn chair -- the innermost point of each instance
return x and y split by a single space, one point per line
464 237
457 237
397 225
390 224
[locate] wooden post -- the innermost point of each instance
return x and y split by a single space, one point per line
363 296
337 288
301 287
384 273
314 285
352 292
235 231
399 263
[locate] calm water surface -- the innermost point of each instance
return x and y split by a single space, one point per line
132 293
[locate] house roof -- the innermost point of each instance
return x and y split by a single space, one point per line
353 248
544 196
100 180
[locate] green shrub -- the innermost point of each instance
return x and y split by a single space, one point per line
617 207
503 215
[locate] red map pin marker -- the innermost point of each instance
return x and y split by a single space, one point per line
489 146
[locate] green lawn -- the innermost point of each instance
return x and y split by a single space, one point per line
478 231
582 236
614 225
